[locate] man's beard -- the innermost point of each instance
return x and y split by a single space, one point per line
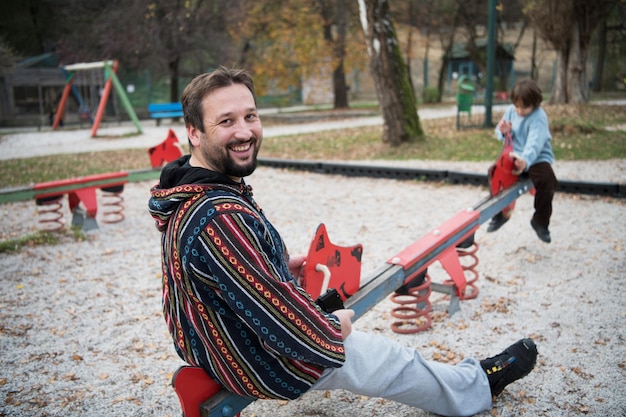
226 165
233 170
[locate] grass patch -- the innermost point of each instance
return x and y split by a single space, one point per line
24 171
589 132
35 239
579 133
41 237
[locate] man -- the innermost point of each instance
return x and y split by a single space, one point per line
230 296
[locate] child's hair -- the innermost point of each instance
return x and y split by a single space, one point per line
527 92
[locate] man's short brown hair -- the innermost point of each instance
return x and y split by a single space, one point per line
205 84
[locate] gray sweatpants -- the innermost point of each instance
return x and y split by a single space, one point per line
380 367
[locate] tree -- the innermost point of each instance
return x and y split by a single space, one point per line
391 77
473 18
170 38
435 18
610 48
289 40
175 28
28 26
446 41
86 31
279 41
7 55
568 26
334 25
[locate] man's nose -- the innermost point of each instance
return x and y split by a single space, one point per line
242 129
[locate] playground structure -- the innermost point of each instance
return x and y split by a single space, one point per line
83 193
167 151
82 197
110 81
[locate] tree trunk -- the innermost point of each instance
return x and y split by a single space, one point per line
599 70
441 78
534 72
339 77
340 86
333 15
568 26
559 90
577 84
393 86
173 69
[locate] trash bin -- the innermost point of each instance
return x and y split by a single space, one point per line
464 98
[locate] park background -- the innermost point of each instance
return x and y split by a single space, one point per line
81 328
300 52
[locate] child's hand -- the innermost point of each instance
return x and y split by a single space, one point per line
504 127
518 165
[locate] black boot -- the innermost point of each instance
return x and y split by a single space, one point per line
514 363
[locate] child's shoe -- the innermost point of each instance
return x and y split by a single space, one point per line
542 232
497 222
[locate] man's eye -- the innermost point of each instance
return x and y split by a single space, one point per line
251 116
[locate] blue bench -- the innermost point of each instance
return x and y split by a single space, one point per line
160 111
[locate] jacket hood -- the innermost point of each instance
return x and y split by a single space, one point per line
180 181
180 172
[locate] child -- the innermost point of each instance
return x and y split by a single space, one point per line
528 124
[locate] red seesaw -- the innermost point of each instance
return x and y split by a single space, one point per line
166 151
81 190
201 396
437 245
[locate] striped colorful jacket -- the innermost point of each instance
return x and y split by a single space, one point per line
229 300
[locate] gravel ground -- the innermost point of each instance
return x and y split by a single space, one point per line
81 330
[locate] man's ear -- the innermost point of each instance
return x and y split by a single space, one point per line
194 135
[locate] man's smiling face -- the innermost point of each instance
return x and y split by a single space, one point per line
232 133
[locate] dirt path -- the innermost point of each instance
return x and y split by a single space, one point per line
82 332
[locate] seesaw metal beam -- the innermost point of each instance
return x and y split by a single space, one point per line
493 205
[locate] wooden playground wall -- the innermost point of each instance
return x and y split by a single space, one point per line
28 95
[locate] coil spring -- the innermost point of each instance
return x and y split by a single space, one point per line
113 204
469 262
414 309
49 213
